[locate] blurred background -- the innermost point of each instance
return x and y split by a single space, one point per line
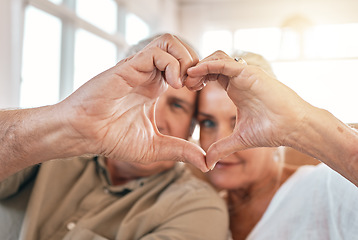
48 48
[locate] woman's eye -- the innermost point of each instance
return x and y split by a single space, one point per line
207 124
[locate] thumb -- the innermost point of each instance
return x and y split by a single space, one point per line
221 149
176 149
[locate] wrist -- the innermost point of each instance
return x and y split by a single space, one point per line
299 125
71 140
48 136
56 136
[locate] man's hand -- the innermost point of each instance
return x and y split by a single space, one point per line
113 114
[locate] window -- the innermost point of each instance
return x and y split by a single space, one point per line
332 41
41 59
101 13
328 84
318 62
216 40
136 29
289 45
325 73
92 56
67 42
56 1
262 40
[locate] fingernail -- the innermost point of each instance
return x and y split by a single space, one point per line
213 166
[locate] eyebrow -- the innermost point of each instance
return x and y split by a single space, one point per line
182 102
205 115
210 116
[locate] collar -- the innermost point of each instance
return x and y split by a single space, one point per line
133 184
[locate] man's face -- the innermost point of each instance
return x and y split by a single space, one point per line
173 116
174 112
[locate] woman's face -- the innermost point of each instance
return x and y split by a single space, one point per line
217 118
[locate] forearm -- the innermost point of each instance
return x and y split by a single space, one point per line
31 136
328 139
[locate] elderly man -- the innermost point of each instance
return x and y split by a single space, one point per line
126 188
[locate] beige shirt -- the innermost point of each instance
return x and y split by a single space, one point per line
73 199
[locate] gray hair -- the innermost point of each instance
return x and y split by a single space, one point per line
256 60
139 46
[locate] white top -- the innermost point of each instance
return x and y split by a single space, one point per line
314 203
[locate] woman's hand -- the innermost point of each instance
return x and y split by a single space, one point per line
268 113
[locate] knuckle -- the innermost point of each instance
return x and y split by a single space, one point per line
168 36
187 61
220 53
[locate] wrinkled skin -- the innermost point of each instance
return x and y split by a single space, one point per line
113 115
119 122
174 114
264 118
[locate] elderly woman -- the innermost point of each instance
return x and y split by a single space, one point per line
244 116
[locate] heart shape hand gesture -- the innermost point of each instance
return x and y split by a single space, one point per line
119 122
268 112
113 115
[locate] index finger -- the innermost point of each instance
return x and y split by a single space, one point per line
179 50
221 70
225 67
